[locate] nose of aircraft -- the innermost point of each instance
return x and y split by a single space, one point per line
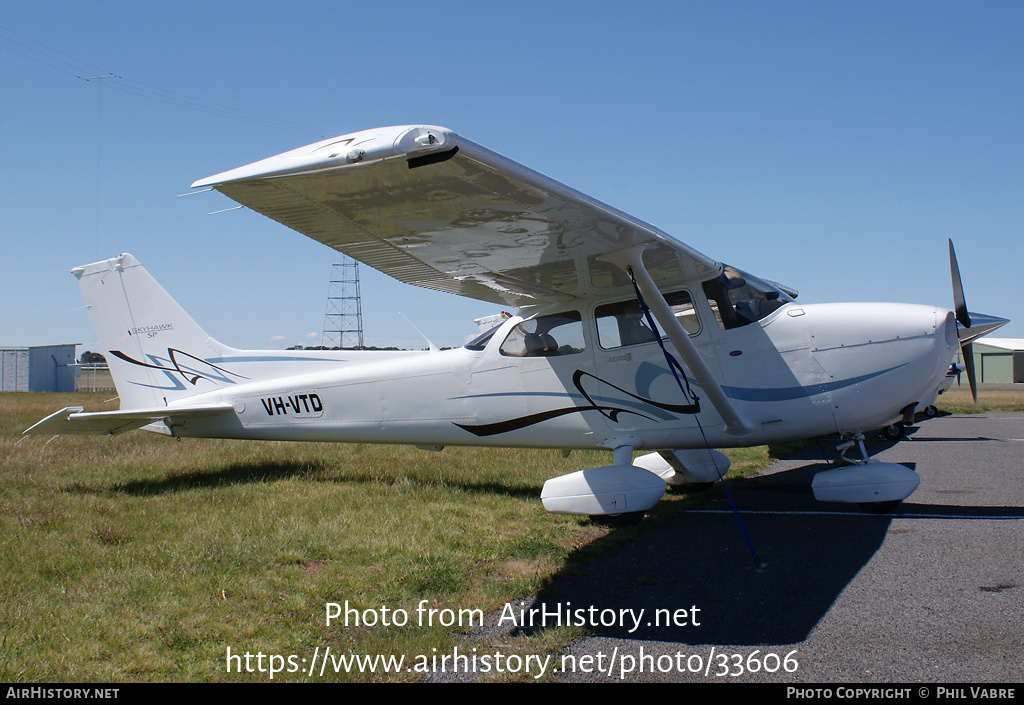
881 359
981 324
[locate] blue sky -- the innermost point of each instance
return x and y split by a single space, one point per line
831 146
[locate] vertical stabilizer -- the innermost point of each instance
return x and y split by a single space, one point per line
154 349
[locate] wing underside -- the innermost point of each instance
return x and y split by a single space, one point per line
431 208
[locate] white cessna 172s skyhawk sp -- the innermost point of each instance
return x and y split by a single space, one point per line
584 364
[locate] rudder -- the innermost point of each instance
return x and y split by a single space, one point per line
153 347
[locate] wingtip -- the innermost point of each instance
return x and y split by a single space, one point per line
341 151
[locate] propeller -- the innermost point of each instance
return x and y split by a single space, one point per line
971 327
964 319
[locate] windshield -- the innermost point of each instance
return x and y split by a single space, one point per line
738 299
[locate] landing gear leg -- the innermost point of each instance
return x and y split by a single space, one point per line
876 480
857 440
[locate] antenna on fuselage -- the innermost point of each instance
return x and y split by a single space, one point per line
430 345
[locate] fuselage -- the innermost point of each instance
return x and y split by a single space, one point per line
801 371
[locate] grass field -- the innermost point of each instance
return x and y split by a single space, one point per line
958 401
144 558
141 557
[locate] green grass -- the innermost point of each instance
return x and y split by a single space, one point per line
959 401
142 558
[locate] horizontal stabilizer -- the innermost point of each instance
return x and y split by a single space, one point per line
71 419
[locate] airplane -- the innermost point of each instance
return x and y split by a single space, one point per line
624 339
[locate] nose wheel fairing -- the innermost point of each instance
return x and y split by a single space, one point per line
872 484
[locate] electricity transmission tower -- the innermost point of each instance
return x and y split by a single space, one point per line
343 322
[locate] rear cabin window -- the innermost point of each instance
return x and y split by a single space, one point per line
623 323
546 336
480 342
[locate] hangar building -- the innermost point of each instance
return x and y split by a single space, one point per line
999 360
38 368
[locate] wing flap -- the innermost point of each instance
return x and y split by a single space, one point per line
468 222
72 420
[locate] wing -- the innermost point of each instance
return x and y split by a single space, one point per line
431 208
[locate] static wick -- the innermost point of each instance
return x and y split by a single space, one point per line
193 193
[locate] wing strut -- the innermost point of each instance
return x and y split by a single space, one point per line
632 261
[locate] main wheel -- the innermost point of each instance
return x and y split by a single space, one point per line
691 487
624 519
894 432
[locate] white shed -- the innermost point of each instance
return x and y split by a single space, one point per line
38 368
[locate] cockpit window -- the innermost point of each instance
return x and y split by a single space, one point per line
738 299
545 336
623 323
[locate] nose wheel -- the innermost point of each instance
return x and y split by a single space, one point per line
874 486
879 507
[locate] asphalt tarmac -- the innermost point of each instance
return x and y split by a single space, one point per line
933 592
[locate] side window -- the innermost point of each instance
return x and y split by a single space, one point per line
623 323
543 336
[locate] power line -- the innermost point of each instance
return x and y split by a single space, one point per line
60 61
43 54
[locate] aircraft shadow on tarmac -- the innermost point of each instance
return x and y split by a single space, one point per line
698 557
